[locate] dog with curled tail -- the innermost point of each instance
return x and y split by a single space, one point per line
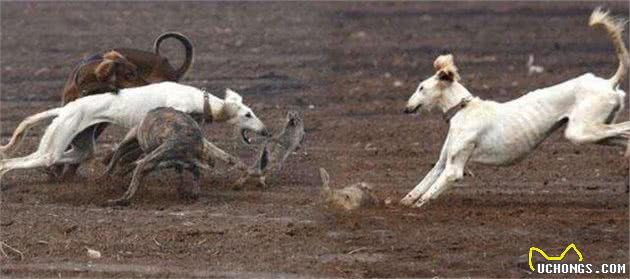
493 133
125 68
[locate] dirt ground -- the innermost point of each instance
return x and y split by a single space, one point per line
350 68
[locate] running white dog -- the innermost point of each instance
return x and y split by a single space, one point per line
126 109
502 133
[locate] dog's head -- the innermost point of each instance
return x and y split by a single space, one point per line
242 116
116 70
432 91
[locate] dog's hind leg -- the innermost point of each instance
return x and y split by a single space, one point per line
41 159
83 146
609 134
619 140
193 192
151 161
195 185
33 160
85 142
588 120
138 175
180 173
128 161
50 150
128 144
20 131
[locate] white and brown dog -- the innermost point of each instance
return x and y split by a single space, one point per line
71 123
494 133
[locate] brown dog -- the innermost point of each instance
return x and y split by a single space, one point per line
124 68
117 69
99 74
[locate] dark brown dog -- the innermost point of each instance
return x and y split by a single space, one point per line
167 138
97 74
118 69
123 68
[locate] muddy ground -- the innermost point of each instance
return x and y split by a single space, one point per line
349 67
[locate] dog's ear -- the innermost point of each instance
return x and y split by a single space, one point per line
127 70
443 61
115 65
446 69
446 75
104 72
232 96
230 110
113 55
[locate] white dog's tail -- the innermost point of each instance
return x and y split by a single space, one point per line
614 27
21 130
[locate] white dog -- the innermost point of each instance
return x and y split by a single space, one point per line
126 109
502 133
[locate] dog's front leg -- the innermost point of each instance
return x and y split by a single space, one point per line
453 172
216 152
428 180
424 185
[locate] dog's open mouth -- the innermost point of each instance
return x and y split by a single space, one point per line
414 110
245 137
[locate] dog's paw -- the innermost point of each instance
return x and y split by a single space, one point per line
421 202
408 200
189 195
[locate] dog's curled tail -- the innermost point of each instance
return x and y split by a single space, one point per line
21 130
188 48
614 27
